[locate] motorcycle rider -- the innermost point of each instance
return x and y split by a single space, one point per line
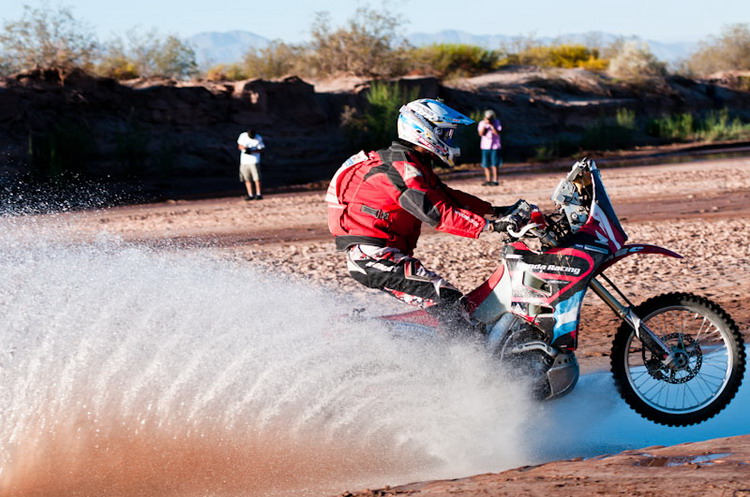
377 202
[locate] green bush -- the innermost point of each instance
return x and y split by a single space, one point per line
62 152
719 126
564 56
679 127
553 150
715 126
223 72
453 60
377 126
625 118
608 135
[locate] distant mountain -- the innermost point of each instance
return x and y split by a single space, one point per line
224 48
216 48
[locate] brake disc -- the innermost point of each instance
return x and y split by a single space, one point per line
689 360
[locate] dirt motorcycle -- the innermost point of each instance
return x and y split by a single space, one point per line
677 359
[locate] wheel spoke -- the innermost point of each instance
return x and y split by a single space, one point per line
699 381
708 360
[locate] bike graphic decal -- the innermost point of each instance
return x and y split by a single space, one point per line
602 223
566 316
599 226
552 274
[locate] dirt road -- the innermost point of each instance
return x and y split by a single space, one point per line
699 209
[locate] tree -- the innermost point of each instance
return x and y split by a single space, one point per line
47 38
635 62
175 59
368 46
729 52
276 60
148 54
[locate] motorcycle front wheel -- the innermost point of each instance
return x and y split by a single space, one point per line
709 365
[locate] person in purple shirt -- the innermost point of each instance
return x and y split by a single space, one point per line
489 130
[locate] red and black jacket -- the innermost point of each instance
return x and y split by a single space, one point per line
382 198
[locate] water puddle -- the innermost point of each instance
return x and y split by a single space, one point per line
666 461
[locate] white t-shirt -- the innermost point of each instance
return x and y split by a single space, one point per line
252 143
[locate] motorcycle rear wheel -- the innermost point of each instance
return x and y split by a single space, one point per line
710 368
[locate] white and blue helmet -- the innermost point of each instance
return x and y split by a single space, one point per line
430 124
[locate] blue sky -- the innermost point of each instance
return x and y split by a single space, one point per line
660 20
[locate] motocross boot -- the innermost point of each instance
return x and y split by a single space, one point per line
453 316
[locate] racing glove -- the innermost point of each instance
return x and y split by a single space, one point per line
503 210
514 216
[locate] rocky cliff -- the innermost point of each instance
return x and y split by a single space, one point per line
167 133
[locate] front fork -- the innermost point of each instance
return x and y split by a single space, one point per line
625 312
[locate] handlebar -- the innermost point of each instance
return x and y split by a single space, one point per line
537 227
522 232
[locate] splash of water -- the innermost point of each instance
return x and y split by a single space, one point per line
130 371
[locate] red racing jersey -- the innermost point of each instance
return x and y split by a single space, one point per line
382 198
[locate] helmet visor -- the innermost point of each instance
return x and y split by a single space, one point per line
445 134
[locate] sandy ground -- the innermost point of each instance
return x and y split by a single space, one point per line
698 209
719 467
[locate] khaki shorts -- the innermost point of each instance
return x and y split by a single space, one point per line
250 172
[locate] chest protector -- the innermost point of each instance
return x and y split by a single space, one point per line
342 187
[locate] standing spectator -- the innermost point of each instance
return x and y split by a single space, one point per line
489 129
250 144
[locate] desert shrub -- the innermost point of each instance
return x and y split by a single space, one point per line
384 101
545 153
118 66
635 62
608 135
226 72
367 46
680 127
60 152
742 83
376 127
148 54
718 125
453 60
728 52
714 126
563 56
553 150
276 60
47 38
625 118
517 45
218 72
594 64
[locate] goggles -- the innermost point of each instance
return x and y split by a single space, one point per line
445 134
